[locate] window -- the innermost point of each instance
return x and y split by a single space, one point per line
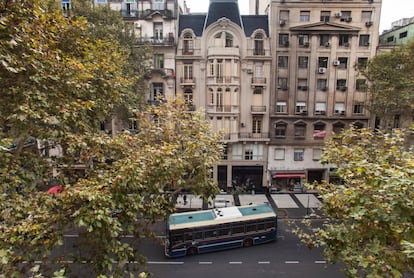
257 125
188 72
403 35
283 40
302 84
322 84
324 40
300 107
282 83
346 16
281 107
159 61
300 130
303 40
303 62
338 127
366 16
396 121
341 85
253 152
320 108
304 16
323 62
283 61
237 151
343 62
280 130
344 40
361 85
158 31
319 131
159 4
317 153
188 44
298 154
229 40
284 15
364 40
279 154
390 39
325 16
362 62
248 153
259 45
188 97
358 108
133 124
210 96
339 108
157 92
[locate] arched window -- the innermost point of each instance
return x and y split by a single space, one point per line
259 44
229 40
188 44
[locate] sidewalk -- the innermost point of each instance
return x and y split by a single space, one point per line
288 205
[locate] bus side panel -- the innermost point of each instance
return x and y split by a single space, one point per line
217 245
264 238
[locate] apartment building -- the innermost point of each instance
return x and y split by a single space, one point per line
316 90
401 32
223 65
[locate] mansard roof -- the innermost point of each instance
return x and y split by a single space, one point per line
254 22
192 21
325 27
220 9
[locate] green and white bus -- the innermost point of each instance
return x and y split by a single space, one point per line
191 233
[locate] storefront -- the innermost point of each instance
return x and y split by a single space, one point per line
287 181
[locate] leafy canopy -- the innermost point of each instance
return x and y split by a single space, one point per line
58 82
369 218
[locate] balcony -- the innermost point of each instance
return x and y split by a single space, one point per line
187 81
169 41
220 108
258 109
258 81
251 135
223 51
128 13
234 80
164 72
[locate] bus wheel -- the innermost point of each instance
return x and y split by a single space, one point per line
192 251
248 242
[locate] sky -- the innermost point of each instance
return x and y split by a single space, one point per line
392 10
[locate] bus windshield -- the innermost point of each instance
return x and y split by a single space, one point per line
204 231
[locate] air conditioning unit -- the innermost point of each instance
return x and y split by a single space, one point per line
338 15
250 71
327 44
322 70
369 23
348 19
306 44
137 25
346 44
282 22
336 62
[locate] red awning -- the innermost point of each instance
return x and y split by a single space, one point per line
288 175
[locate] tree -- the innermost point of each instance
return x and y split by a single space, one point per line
391 76
369 218
57 83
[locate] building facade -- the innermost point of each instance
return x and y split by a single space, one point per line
316 90
223 65
401 32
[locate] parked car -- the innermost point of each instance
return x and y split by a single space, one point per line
221 203
297 187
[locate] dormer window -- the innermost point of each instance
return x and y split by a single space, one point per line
229 40
258 44
188 44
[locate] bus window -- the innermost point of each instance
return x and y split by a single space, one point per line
210 233
251 228
260 226
197 235
239 229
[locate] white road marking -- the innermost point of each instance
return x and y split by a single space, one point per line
264 262
205 262
163 262
320 262
235 262
291 262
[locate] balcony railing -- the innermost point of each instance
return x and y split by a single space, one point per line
142 14
246 135
223 80
187 80
258 80
258 109
157 41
